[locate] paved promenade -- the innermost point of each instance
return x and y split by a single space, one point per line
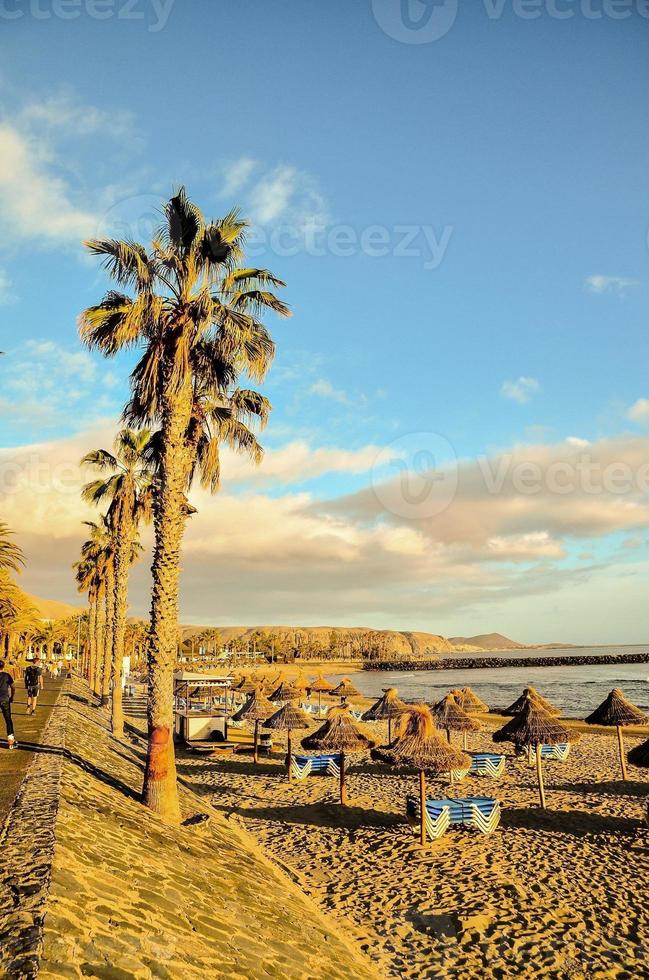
29 731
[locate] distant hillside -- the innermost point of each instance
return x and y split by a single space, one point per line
487 641
51 609
355 641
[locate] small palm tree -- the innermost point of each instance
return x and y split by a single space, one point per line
98 550
196 310
128 491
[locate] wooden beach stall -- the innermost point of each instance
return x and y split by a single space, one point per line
200 713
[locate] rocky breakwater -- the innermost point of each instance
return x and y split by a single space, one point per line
477 663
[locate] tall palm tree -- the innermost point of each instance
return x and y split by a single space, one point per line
87 579
196 309
128 492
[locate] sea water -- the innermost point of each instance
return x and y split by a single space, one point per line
575 690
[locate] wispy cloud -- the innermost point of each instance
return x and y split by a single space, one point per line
7 296
521 390
63 112
279 194
324 389
237 174
610 284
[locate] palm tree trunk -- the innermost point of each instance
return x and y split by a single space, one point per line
92 641
126 533
160 790
108 649
100 638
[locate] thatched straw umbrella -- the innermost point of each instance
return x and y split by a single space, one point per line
321 686
285 692
533 726
289 718
339 733
469 701
419 746
386 708
639 756
346 689
256 709
531 692
616 711
450 716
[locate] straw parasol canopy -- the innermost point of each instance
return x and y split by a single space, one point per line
531 692
450 716
289 718
639 756
419 746
385 709
616 711
534 726
285 692
339 733
346 689
320 685
469 701
257 708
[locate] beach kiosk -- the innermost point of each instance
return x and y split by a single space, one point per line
200 714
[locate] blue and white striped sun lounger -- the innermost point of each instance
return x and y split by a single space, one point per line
559 752
481 812
304 765
482 764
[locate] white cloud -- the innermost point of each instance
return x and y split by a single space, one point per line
325 389
520 390
35 202
609 284
577 441
639 411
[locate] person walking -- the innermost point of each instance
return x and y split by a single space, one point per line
7 691
33 684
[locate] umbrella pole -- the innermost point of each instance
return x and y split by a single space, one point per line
343 788
288 755
422 807
389 730
319 698
620 742
465 742
448 735
539 773
255 754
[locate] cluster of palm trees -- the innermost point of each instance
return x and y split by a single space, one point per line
193 310
126 487
19 620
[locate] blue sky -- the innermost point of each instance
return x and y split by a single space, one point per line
509 156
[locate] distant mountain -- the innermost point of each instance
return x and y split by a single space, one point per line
51 609
487 641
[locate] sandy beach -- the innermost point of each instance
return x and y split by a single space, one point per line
561 892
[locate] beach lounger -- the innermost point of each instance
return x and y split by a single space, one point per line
481 812
304 765
482 764
559 752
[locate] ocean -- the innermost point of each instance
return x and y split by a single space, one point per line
575 690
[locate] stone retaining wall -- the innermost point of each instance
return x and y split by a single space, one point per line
97 886
475 663
27 844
